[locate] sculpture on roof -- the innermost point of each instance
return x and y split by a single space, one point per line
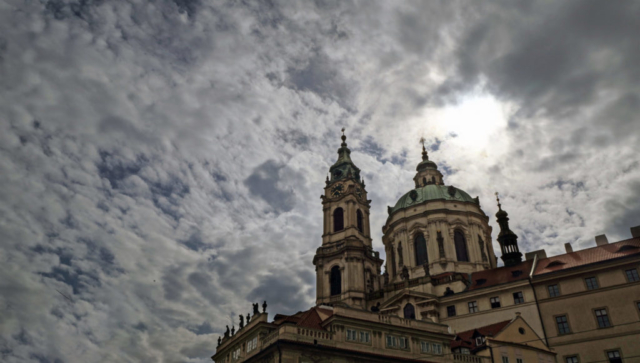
227 332
256 309
264 306
248 318
241 321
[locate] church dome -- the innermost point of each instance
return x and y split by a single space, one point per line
426 164
431 192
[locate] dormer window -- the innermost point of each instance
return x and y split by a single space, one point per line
479 341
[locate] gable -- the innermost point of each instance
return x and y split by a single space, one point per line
518 331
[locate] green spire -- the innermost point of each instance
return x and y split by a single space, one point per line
344 167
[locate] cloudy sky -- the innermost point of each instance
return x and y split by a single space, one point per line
161 162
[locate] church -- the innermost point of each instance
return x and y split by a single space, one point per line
442 296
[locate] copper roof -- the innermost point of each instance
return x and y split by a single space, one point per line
588 256
500 275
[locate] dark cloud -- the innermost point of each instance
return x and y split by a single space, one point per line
264 183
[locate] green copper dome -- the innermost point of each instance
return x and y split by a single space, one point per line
429 193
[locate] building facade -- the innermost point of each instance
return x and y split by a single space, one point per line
441 281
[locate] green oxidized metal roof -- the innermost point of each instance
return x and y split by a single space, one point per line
344 166
431 192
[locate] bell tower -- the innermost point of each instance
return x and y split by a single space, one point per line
347 268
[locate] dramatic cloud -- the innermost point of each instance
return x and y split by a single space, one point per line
161 162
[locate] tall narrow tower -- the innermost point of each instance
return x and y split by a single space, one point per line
347 268
508 240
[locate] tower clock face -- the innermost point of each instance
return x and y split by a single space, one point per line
337 190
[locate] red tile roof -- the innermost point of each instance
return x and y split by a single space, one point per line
500 275
588 256
308 319
465 339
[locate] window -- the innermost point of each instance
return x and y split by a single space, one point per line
396 342
563 325
632 275
518 298
571 359
420 245
236 354
518 360
451 310
603 318
505 359
591 283
436 348
338 220
424 347
614 356
461 246
409 312
252 344
352 335
359 221
479 341
553 290
495 302
365 337
335 281
473 307
464 351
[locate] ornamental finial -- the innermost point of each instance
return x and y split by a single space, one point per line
424 151
344 138
498 199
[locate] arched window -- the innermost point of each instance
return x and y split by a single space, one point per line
335 281
420 246
433 180
424 181
461 246
359 221
409 312
338 220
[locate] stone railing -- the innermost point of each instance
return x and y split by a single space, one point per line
268 339
468 358
315 334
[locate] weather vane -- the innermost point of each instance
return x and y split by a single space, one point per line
343 130
422 141
498 199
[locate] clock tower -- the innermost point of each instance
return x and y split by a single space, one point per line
347 268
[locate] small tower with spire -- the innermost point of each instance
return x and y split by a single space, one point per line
428 172
508 240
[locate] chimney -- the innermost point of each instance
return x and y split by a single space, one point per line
569 249
530 255
602 240
635 231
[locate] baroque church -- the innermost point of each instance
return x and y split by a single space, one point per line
442 296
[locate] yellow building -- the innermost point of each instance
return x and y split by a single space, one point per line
442 280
